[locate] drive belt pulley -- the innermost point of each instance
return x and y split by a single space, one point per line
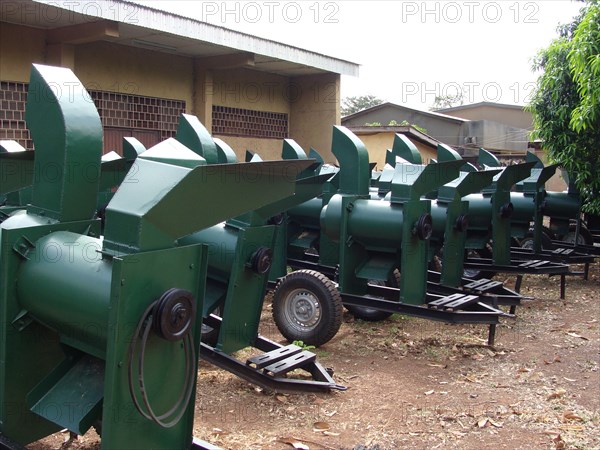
171 318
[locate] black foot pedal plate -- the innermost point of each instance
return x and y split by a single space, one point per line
454 301
269 369
482 285
282 360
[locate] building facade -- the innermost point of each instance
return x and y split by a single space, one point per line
144 67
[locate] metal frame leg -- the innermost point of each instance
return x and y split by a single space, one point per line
586 271
563 286
492 335
518 283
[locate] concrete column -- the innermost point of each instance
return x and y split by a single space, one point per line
202 94
314 110
60 54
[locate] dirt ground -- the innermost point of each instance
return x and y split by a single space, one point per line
418 384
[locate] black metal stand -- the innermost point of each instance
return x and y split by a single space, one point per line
268 370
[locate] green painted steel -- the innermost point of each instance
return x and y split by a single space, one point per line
67 162
454 232
171 151
236 283
413 181
196 137
406 150
16 171
135 223
225 154
488 159
353 159
80 316
132 148
313 154
529 202
446 153
375 237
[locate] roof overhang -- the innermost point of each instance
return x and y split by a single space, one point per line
406 130
136 25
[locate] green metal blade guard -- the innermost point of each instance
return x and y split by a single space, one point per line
412 181
406 150
313 154
537 180
167 202
132 148
353 158
173 152
467 183
292 151
446 153
509 176
225 154
68 136
487 159
532 157
192 134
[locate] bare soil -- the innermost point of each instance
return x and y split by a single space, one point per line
417 384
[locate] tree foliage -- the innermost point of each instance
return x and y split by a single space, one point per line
351 105
566 103
448 101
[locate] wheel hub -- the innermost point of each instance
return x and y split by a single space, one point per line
304 309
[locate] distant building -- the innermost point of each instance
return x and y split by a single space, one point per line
378 139
512 115
464 134
143 67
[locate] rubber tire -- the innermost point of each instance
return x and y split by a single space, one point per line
527 241
210 335
329 301
485 252
372 314
584 234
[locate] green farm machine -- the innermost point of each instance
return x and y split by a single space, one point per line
101 325
117 273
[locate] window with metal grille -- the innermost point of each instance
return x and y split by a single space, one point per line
249 123
13 97
132 114
139 112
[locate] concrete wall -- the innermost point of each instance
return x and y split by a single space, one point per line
110 67
444 130
267 149
517 118
494 135
254 90
315 108
19 47
311 102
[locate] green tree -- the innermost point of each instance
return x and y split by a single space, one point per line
566 103
448 101
351 105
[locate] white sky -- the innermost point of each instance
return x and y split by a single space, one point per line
409 51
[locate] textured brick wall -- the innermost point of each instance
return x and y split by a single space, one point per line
249 123
132 112
13 97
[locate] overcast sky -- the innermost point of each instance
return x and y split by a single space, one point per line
409 51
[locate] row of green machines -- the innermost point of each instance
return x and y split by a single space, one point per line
118 272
